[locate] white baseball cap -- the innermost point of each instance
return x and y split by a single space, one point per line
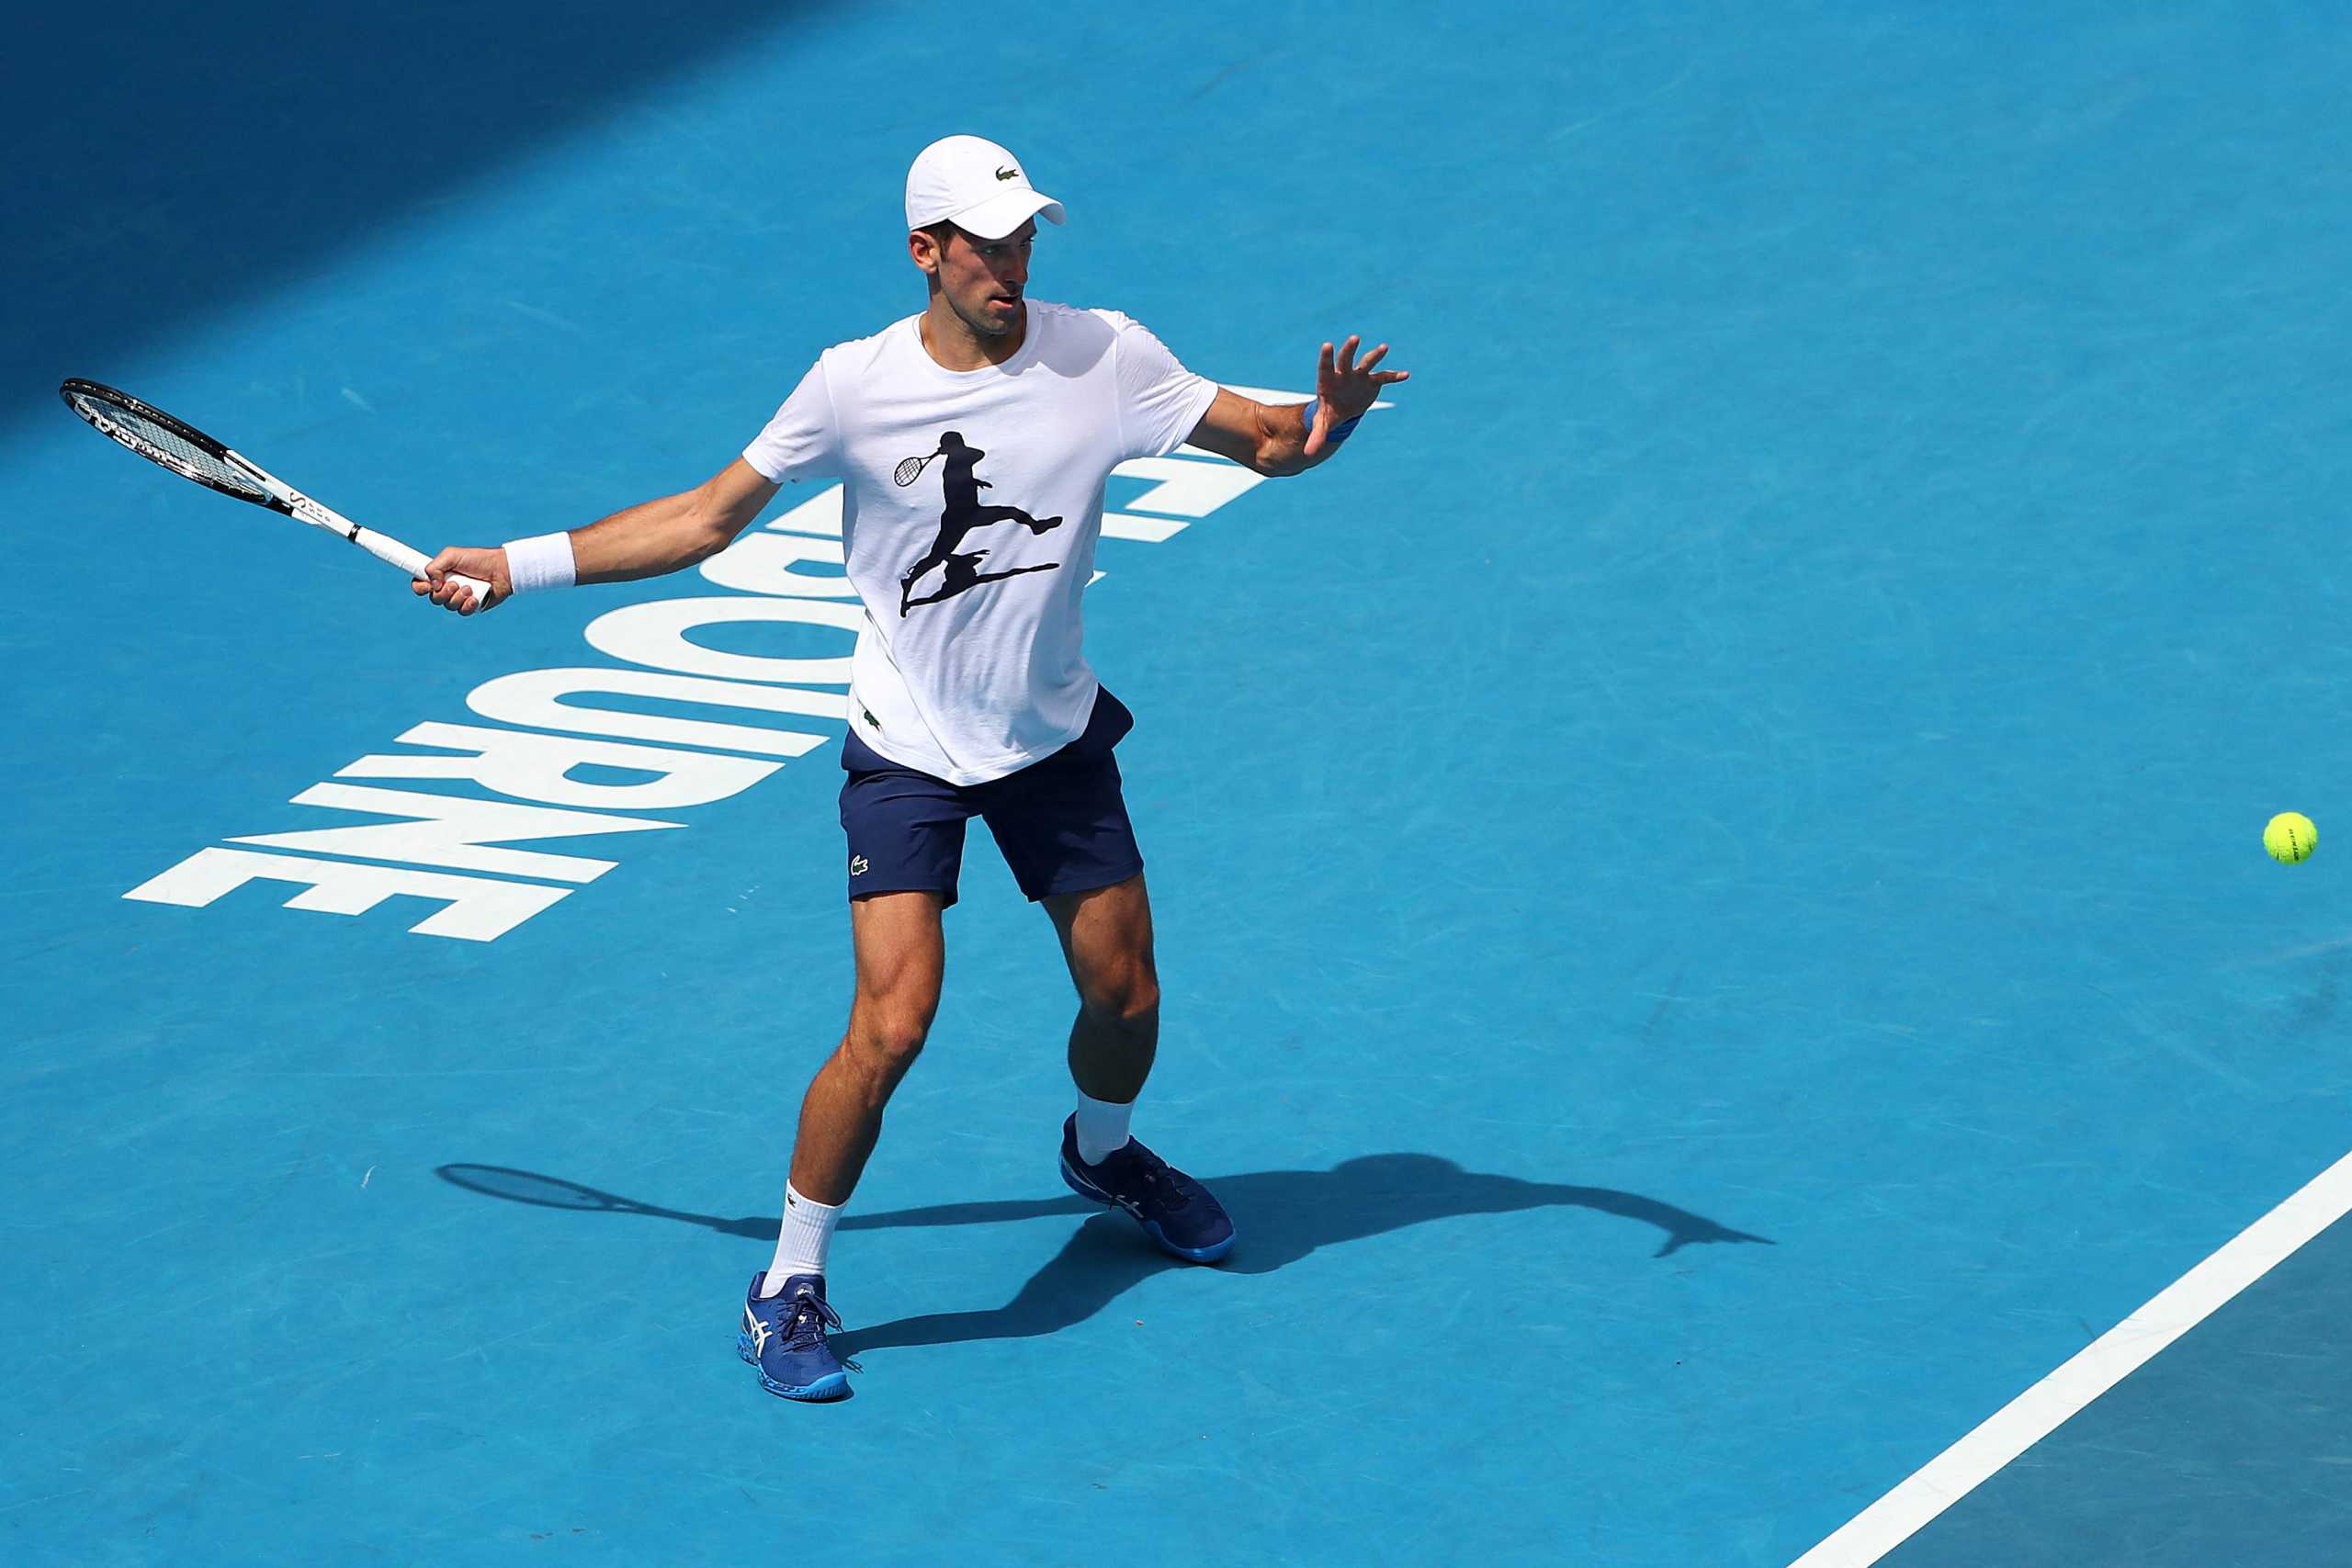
976 185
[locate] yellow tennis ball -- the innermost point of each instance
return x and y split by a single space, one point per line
2291 837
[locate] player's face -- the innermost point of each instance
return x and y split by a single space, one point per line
984 279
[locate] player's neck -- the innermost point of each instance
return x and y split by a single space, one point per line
950 340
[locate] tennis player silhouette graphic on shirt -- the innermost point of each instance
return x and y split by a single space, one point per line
960 489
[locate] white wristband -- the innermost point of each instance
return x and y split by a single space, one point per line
544 561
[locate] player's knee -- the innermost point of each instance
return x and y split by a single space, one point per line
885 1040
1126 997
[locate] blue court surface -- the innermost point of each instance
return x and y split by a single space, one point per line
1707 869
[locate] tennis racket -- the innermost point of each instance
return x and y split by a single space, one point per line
909 470
190 453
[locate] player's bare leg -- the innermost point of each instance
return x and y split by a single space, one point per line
901 954
1106 936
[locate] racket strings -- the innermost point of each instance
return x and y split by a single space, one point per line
161 444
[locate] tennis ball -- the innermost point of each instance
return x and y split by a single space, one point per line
2291 837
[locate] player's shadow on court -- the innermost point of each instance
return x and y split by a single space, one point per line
1280 1217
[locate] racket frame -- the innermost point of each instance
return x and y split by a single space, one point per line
273 492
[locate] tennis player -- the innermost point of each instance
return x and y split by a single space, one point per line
969 695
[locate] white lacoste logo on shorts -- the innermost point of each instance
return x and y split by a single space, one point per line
857 865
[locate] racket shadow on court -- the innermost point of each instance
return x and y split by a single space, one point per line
1280 1217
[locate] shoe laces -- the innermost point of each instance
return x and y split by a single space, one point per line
811 1315
1162 1179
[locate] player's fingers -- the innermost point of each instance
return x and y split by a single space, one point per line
1323 365
1364 365
1348 354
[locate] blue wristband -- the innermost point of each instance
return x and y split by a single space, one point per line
1338 433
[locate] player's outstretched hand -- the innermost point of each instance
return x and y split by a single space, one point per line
489 565
1346 386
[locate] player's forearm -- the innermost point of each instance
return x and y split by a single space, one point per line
648 540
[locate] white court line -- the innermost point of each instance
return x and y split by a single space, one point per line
2099 1366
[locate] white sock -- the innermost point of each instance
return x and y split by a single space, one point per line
1102 1128
801 1245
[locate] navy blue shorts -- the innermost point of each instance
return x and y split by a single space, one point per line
1061 822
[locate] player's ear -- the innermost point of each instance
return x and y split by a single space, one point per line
929 246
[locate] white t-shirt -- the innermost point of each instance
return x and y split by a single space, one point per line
968 666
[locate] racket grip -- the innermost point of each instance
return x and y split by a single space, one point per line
414 562
481 589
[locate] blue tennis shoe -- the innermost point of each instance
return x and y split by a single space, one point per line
1175 1211
784 1337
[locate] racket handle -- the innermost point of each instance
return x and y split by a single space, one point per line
481 589
414 562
